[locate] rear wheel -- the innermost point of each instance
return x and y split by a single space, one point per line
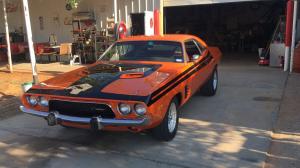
211 86
167 130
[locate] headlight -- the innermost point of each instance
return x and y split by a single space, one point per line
43 102
140 109
125 109
32 100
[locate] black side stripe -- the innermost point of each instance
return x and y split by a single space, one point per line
172 84
173 80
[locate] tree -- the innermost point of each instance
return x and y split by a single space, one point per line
72 4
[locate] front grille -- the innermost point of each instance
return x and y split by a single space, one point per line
79 109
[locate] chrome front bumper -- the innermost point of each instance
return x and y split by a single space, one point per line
54 118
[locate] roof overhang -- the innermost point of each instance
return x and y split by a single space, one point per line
170 3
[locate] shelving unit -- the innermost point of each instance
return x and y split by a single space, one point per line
104 38
84 31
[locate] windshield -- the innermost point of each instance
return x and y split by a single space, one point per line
164 51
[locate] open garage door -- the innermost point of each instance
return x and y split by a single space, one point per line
233 27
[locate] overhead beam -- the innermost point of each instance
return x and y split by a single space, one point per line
170 3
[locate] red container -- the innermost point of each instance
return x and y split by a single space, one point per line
156 22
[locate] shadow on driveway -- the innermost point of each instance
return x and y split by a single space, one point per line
231 129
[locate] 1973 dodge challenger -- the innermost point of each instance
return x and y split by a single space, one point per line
138 84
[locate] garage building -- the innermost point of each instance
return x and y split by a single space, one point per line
236 26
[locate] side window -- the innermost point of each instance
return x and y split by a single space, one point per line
191 49
201 47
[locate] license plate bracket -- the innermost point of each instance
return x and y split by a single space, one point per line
95 123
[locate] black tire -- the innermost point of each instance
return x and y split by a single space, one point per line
210 87
162 131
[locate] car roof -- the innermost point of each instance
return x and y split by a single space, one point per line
168 37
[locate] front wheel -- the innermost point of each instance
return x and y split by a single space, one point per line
211 86
167 130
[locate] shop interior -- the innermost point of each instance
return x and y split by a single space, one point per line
234 27
88 42
72 32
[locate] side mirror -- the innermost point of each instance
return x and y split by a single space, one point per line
195 57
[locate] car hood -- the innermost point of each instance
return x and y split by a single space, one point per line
97 80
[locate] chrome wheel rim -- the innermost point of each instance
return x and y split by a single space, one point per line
215 81
172 118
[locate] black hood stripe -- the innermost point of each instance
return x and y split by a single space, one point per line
97 78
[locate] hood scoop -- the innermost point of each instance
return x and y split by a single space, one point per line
132 75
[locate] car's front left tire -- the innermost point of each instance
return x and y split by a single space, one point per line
167 130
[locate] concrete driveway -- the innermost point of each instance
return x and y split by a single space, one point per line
231 129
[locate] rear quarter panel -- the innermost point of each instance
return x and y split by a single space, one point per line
216 53
160 107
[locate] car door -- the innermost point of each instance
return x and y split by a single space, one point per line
208 69
194 56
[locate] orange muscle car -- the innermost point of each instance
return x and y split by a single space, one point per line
138 84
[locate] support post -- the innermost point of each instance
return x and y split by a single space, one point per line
132 6
146 5
294 35
30 42
161 19
153 5
139 3
116 11
126 15
7 37
120 18
288 33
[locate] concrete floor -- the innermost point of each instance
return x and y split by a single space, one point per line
47 68
231 129
285 148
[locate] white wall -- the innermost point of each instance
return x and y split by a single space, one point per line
49 9
15 19
150 7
